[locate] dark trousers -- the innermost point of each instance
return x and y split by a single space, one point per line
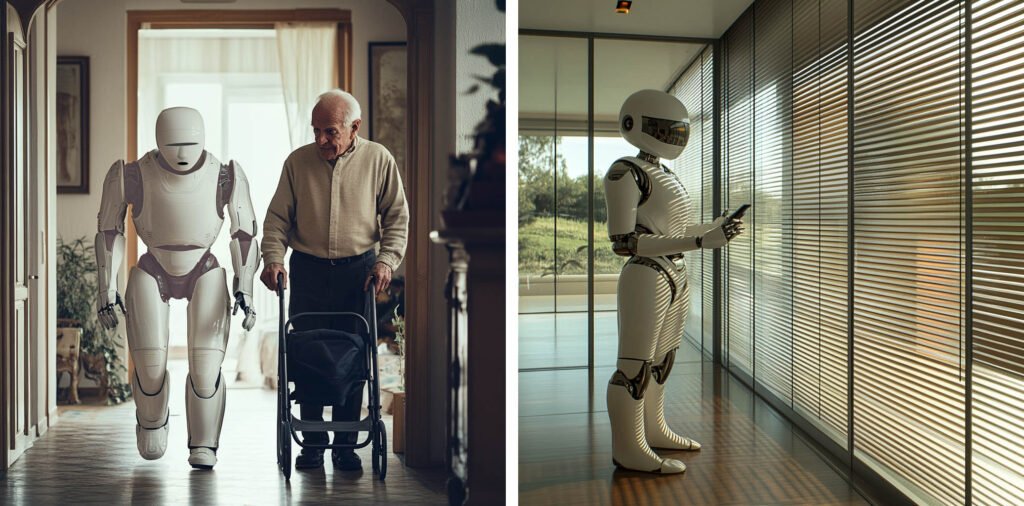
322 285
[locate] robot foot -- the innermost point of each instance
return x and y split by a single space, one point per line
669 440
152 442
629 443
202 458
668 466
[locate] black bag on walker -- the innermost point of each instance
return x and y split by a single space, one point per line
326 365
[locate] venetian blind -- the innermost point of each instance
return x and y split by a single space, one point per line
997 96
820 215
707 188
689 169
907 173
771 217
737 179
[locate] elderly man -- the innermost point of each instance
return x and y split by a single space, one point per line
339 199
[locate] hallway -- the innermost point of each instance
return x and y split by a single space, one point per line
89 457
750 454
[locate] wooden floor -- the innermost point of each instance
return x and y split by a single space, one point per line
90 457
750 455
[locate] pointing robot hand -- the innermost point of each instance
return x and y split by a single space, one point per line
723 230
244 302
106 314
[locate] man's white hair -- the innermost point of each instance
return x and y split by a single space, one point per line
353 111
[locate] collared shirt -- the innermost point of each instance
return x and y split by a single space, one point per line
339 210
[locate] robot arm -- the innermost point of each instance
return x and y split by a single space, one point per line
245 254
626 187
110 245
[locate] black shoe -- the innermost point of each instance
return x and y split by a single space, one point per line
346 460
309 459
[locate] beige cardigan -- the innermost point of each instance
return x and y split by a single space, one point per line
339 211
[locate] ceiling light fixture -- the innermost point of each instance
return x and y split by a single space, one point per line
622 6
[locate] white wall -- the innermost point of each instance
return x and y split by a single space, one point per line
96 28
477 22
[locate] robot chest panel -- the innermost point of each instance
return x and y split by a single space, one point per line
669 209
179 209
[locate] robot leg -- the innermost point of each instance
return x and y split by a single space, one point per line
208 321
147 342
659 435
643 299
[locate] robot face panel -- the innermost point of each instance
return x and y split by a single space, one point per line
667 131
180 136
655 122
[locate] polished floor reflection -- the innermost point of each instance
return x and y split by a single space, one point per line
89 457
750 455
548 340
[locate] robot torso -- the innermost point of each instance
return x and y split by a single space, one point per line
664 208
177 214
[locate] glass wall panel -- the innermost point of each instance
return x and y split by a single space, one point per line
908 314
553 202
707 192
997 426
771 218
737 185
820 215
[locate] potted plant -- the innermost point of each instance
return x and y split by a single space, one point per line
100 350
391 332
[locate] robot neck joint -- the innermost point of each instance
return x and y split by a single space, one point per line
647 157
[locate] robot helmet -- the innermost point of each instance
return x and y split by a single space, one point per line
655 122
180 137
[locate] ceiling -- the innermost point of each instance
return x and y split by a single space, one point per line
553 74
620 66
679 18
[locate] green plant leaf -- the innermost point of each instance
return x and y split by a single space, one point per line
495 53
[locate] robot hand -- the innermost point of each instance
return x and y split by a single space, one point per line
723 230
106 314
244 302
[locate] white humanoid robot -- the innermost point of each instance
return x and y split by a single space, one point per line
651 220
178 194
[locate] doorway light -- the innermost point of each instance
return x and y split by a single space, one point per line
622 6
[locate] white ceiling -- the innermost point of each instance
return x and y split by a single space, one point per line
680 18
620 68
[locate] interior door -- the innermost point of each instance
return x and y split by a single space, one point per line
19 347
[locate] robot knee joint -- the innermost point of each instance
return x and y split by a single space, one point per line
637 385
662 370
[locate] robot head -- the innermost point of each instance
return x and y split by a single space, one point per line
655 122
180 136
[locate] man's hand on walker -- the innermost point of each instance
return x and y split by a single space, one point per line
380 272
269 276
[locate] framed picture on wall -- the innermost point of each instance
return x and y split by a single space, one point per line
72 124
388 107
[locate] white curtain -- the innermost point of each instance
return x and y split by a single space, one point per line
197 56
308 59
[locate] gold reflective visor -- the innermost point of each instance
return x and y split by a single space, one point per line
667 131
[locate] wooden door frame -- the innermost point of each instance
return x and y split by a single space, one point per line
419 23
6 254
210 18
